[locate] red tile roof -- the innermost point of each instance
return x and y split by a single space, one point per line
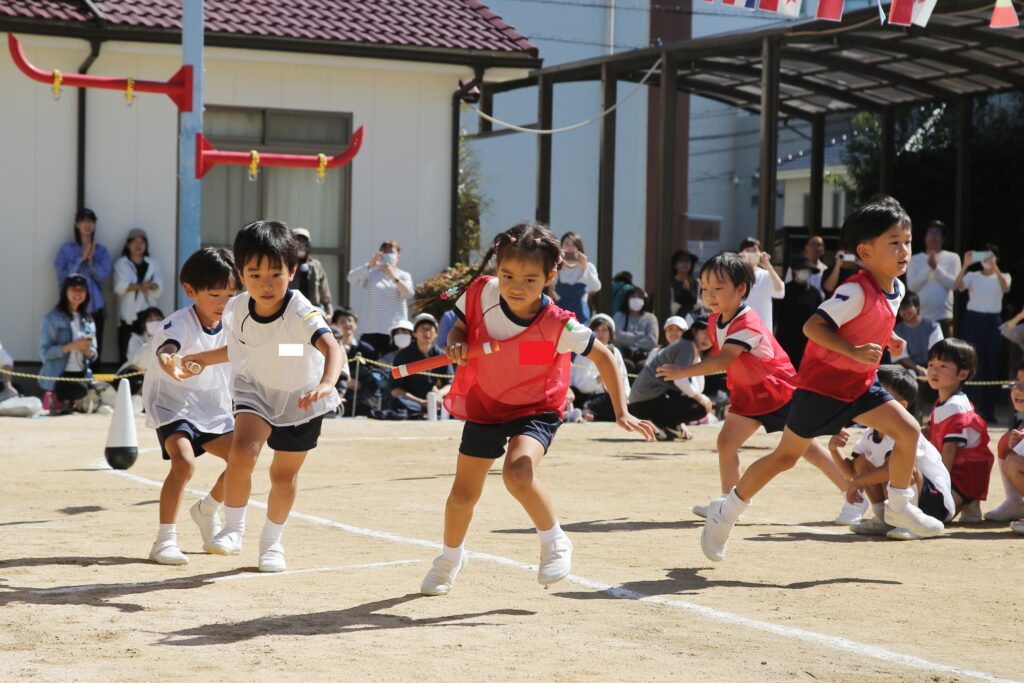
438 24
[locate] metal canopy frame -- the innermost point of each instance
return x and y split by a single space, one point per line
816 68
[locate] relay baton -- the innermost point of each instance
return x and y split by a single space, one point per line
428 364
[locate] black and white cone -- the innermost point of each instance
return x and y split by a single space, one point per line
122 442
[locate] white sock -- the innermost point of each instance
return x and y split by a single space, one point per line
167 532
209 505
1012 496
878 509
551 534
899 498
271 534
234 518
453 554
734 506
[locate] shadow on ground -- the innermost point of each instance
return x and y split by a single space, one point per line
613 525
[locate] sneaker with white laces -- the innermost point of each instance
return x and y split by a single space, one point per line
1017 527
209 525
971 513
902 535
555 561
871 527
272 559
441 577
715 533
912 519
1007 511
700 510
225 543
851 513
167 552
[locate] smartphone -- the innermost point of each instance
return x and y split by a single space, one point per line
751 257
981 255
850 258
571 256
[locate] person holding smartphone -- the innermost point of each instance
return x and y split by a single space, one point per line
388 290
845 267
577 278
67 345
767 283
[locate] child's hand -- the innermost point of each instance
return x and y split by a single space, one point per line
635 424
853 494
897 345
321 391
669 372
1015 437
869 354
704 402
192 365
168 365
456 352
765 260
839 440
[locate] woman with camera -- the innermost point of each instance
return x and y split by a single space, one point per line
577 278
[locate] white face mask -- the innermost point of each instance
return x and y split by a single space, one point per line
403 340
389 258
801 275
636 304
153 326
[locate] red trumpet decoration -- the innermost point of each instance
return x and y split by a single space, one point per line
207 157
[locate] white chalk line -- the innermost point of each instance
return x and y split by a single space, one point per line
834 642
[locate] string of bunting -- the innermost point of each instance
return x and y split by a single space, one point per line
901 12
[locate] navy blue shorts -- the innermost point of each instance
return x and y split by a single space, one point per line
812 414
774 421
195 437
931 502
489 440
294 439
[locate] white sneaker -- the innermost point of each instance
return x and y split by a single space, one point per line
441 577
1017 527
871 527
225 543
971 513
715 533
700 510
272 559
209 525
1006 512
167 552
555 561
902 535
912 519
851 513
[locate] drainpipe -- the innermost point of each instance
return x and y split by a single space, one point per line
94 52
457 96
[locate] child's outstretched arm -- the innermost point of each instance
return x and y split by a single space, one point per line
818 331
204 359
605 362
708 366
834 444
334 361
183 368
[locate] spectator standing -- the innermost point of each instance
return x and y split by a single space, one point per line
813 251
67 343
90 259
388 290
801 300
845 267
636 329
932 274
310 277
985 284
138 283
577 278
767 283
685 286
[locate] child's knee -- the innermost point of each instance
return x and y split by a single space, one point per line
908 430
786 459
283 479
183 465
518 476
245 453
462 497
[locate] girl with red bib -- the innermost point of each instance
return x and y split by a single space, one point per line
517 396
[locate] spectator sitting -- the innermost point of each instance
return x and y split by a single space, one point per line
920 333
585 381
801 301
810 258
401 337
89 260
674 328
636 329
12 403
1013 330
577 278
715 386
138 283
669 405
622 285
409 394
67 345
310 276
1010 452
387 292
767 283
7 388
361 390
685 286
445 326
147 324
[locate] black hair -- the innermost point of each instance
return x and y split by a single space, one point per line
955 351
872 219
911 299
343 312
576 240
623 276
750 242
683 255
74 279
530 240
632 294
126 252
799 262
139 326
271 240
728 265
1020 366
898 381
81 215
602 321
938 224
209 268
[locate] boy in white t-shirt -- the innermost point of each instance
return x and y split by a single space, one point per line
869 467
285 364
191 413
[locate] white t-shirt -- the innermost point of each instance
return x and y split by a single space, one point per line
814 279
876 448
984 293
274 360
954 405
203 400
934 285
502 323
75 358
762 293
848 301
587 379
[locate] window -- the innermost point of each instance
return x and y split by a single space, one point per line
291 195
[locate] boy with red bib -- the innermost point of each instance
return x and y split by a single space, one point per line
516 396
837 383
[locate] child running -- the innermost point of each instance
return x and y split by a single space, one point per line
191 414
959 433
285 364
837 383
516 396
758 372
869 467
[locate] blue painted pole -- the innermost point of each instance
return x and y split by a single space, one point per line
191 124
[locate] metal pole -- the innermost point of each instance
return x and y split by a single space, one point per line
666 186
453 235
962 208
545 111
191 124
887 161
769 141
606 190
817 172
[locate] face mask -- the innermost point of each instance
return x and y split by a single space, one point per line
304 267
636 304
302 253
153 326
403 340
388 259
801 275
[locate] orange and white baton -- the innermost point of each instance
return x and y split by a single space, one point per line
428 364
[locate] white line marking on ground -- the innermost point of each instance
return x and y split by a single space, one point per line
834 642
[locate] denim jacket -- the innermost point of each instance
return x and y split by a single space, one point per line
54 333
97 272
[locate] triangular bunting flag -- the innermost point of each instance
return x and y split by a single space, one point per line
768 5
728 2
1004 15
790 8
709 1
923 11
750 4
830 10
901 12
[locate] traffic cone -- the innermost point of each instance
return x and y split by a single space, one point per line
122 442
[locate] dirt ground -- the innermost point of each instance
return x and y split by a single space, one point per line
796 597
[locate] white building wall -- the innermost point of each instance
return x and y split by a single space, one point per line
400 186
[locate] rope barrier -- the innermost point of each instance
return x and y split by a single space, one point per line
97 377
